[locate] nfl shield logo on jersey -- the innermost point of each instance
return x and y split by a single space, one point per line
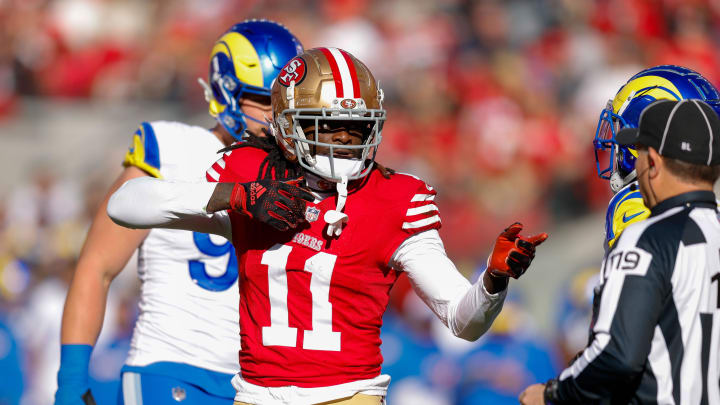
312 214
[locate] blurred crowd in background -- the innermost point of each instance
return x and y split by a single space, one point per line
494 103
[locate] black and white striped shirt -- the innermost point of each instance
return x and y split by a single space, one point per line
655 337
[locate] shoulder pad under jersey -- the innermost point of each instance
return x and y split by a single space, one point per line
144 152
626 207
408 207
237 165
414 201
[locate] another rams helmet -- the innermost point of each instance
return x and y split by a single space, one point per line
243 64
660 82
321 87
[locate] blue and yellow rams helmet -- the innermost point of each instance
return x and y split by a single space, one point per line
617 163
243 64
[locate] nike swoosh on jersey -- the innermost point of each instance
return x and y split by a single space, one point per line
627 219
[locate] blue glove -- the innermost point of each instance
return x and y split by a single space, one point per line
73 380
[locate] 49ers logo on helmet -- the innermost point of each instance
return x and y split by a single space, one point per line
348 103
294 70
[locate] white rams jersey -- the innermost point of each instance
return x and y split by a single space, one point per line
189 300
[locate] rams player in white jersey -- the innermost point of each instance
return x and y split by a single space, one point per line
184 347
616 163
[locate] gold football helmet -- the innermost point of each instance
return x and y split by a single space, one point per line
315 88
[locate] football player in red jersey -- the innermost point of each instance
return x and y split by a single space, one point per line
321 237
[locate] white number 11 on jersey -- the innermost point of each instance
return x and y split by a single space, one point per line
279 333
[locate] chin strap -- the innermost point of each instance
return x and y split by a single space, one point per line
336 218
617 182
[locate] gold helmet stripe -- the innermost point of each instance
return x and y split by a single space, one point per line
658 87
243 56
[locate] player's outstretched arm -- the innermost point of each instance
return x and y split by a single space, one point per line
146 203
106 251
200 207
466 309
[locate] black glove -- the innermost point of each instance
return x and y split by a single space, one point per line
277 203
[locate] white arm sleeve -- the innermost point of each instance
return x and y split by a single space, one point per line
466 309
146 202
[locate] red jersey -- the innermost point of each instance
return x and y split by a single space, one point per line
311 305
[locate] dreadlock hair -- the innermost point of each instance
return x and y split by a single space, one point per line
274 166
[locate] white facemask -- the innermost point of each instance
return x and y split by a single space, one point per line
343 167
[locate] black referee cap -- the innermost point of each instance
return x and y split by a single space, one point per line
686 130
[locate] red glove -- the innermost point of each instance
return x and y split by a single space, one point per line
513 253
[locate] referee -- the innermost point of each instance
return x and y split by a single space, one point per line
655 332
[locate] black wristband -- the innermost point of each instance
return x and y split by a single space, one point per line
551 392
